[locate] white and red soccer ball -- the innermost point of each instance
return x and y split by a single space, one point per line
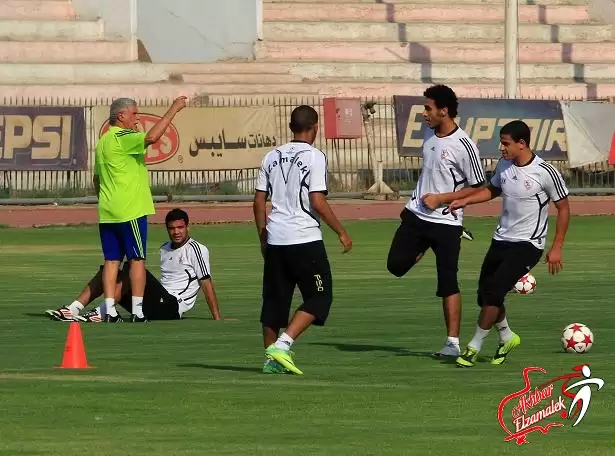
577 338
526 284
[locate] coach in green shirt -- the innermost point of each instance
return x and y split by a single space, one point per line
125 199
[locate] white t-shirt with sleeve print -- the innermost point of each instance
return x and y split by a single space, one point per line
181 269
289 174
450 163
526 193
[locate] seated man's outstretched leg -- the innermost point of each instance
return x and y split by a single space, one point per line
92 290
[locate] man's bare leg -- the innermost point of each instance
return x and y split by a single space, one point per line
451 306
109 280
270 335
137 285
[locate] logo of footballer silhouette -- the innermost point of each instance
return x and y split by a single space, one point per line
545 403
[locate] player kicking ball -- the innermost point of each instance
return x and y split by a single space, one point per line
451 163
294 176
527 184
184 270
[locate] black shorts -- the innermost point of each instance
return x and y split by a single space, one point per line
286 266
412 239
504 264
158 303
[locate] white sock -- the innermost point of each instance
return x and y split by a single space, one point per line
75 307
504 330
284 342
137 306
452 341
110 307
479 336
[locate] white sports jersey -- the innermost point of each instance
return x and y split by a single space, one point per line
289 174
181 269
526 191
450 163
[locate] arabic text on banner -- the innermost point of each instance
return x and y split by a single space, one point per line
208 138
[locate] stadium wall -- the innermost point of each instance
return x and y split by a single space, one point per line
208 30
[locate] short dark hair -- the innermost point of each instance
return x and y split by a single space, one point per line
517 130
444 97
303 118
175 215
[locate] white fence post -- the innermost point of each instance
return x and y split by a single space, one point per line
511 31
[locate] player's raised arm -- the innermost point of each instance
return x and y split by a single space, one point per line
156 132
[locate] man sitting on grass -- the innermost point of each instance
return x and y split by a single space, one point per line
184 269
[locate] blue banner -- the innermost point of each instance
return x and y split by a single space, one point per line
482 120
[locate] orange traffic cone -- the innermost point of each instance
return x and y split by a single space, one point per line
74 352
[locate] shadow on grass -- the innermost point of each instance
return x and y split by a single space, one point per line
222 368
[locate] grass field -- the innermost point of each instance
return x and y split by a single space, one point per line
194 387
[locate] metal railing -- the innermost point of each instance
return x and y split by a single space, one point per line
349 164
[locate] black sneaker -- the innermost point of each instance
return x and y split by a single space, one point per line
117 319
467 234
135 319
61 314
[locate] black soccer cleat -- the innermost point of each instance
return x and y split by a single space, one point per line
467 234
135 319
117 319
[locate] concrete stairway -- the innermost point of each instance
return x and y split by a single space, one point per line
320 47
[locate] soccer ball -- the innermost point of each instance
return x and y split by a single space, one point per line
577 338
526 284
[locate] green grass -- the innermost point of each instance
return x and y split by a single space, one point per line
194 387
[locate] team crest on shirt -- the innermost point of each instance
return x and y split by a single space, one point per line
527 184
443 154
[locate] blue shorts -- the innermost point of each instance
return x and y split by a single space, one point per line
127 239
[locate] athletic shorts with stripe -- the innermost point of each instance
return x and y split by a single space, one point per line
126 239
287 266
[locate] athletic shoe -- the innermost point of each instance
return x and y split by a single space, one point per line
468 358
61 314
117 319
285 358
273 367
466 234
449 349
505 348
90 317
135 319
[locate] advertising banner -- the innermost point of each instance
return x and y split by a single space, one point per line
208 138
482 119
590 132
42 138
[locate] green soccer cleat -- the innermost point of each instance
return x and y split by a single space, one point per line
468 358
285 358
273 367
505 348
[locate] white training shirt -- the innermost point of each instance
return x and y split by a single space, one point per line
526 191
289 174
181 269
450 163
